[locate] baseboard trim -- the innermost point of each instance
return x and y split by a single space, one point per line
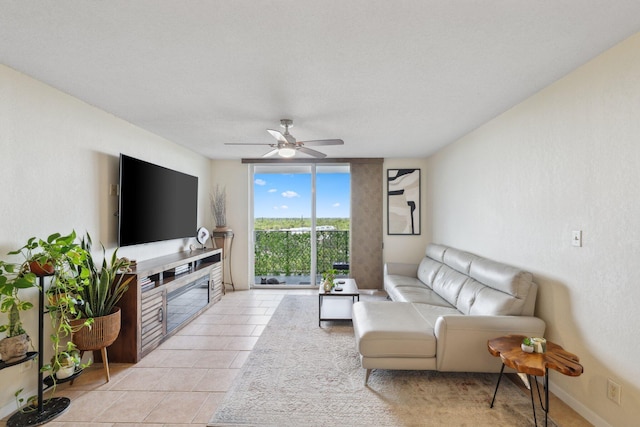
585 412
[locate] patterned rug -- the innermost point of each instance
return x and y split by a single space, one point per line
301 375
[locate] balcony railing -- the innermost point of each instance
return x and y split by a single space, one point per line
288 253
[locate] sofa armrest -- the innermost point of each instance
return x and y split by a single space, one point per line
462 340
400 269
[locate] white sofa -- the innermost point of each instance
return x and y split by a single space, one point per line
442 313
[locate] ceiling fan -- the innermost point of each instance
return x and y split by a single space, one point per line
287 144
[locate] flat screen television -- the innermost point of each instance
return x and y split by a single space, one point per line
156 203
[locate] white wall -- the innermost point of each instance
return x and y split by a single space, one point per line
566 159
58 157
234 177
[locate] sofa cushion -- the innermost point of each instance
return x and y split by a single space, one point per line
504 278
427 270
392 329
448 283
395 280
430 313
436 252
421 295
459 260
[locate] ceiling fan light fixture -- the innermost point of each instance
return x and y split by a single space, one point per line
286 152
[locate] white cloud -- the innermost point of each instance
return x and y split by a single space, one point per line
272 190
290 194
260 182
284 207
336 205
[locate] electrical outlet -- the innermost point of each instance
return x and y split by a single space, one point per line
613 390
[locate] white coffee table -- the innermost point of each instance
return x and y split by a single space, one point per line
339 307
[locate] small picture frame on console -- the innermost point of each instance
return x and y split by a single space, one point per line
403 201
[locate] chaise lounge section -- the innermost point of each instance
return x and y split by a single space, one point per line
443 312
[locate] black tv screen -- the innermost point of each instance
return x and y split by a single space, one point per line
156 203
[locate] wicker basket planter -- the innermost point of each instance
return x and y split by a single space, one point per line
102 334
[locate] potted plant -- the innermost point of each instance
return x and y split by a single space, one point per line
62 258
13 278
328 279
65 363
219 207
56 255
103 289
527 345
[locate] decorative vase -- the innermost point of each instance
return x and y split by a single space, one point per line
526 348
14 348
328 285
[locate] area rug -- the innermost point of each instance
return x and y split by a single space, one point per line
302 375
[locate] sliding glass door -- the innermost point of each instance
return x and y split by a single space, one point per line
300 223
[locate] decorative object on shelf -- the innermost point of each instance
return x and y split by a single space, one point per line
219 207
202 236
223 239
16 343
539 344
100 320
403 201
527 345
67 362
328 278
14 347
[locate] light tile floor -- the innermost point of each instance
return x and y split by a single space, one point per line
183 381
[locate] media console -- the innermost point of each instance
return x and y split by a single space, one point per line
166 293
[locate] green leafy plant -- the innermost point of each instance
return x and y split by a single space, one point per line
63 359
329 275
527 341
13 278
105 285
31 403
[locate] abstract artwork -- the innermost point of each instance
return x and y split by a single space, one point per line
403 201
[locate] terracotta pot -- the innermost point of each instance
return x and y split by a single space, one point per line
41 270
102 333
15 348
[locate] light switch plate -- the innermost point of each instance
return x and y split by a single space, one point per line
576 238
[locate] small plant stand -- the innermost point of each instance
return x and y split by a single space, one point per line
43 411
223 239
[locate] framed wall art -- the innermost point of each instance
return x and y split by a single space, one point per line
403 201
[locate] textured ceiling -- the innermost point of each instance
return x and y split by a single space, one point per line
391 78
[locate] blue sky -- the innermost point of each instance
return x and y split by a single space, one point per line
289 195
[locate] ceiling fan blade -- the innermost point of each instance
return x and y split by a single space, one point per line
311 152
249 143
278 135
323 142
271 153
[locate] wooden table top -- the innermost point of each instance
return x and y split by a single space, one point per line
556 358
